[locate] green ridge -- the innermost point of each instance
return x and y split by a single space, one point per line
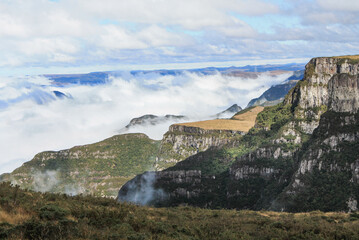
99 169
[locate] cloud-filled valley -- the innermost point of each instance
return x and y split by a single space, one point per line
33 118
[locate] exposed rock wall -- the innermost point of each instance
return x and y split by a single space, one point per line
314 93
343 91
181 142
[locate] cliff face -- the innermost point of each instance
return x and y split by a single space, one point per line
301 155
315 92
321 171
181 142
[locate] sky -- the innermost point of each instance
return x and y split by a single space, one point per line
63 36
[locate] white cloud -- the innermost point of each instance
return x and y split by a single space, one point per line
76 31
343 5
11 28
69 33
159 37
117 38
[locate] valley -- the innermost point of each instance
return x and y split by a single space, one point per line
248 161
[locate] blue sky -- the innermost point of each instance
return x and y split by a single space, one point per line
45 36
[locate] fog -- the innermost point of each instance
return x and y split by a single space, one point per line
141 190
33 119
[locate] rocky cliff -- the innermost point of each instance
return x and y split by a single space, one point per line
181 142
187 139
301 154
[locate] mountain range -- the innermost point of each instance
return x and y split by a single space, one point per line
261 158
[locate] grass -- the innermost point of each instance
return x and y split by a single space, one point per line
354 57
351 59
58 216
242 121
15 217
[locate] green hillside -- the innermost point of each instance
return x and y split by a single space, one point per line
99 169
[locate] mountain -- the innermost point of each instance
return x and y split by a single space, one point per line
301 154
276 93
228 112
150 119
94 78
99 168
245 71
96 169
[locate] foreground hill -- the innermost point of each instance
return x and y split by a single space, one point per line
97 169
32 215
301 155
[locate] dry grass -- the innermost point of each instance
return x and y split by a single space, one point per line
16 217
250 115
239 122
354 57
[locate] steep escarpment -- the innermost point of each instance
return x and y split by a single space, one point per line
181 142
327 175
97 169
273 179
310 97
186 139
301 154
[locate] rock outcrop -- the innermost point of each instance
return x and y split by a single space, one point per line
150 119
186 139
181 142
229 112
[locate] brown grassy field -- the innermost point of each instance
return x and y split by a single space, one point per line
354 57
242 121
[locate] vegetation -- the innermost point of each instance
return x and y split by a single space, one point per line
329 187
351 59
31 215
100 168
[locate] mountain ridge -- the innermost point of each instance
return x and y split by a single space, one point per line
260 171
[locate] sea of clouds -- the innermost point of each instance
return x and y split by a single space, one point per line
33 119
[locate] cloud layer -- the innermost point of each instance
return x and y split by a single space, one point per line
79 33
33 119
